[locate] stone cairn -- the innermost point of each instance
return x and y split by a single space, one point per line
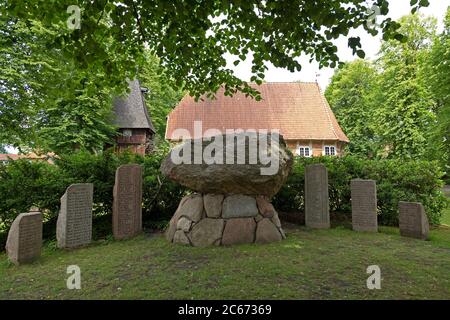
232 201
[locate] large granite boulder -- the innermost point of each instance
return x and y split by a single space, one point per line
243 163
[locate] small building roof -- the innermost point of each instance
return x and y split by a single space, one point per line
298 110
131 111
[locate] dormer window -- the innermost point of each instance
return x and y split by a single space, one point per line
127 132
304 151
329 150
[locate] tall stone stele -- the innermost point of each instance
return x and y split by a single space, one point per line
127 204
317 208
25 238
74 226
364 205
413 221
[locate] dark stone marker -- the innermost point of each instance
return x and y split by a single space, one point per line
364 205
25 238
127 205
74 226
413 221
317 211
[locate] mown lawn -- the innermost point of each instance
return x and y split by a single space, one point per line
309 264
446 217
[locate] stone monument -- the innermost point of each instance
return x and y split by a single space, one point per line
413 221
231 204
317 211
74 225
364 205
25 238
127 204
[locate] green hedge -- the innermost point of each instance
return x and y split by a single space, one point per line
24 184
396 180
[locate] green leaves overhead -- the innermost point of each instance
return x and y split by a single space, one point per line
191 37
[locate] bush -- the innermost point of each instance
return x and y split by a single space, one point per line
396 180
24 184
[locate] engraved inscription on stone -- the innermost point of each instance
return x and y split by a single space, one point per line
127 205
25 238
413 221
317 212
74 226
364 205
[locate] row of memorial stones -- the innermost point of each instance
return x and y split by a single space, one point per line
74 225
413 221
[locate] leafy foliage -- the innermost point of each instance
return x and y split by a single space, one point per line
398 106
407 112
437 78
397 180
48 103
353 94
191 37
24 184
163 95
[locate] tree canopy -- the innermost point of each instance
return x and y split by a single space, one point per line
57 82
398 106
192 36
353 94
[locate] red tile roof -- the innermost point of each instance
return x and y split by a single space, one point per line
298 110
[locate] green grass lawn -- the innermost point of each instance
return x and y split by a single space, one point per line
446 217
309 264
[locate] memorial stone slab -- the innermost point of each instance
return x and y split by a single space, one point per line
74 225
24 241
364 205
413 221
317 212
127 204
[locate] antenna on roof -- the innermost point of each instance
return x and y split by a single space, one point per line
317 77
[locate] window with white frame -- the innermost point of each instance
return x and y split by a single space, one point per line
303 151
329 150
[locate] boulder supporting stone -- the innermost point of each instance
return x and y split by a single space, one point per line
214 219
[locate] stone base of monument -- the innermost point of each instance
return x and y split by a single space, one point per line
214 219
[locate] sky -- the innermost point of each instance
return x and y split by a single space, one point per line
371 45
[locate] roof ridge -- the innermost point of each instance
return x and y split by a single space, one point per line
290 82
327 109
